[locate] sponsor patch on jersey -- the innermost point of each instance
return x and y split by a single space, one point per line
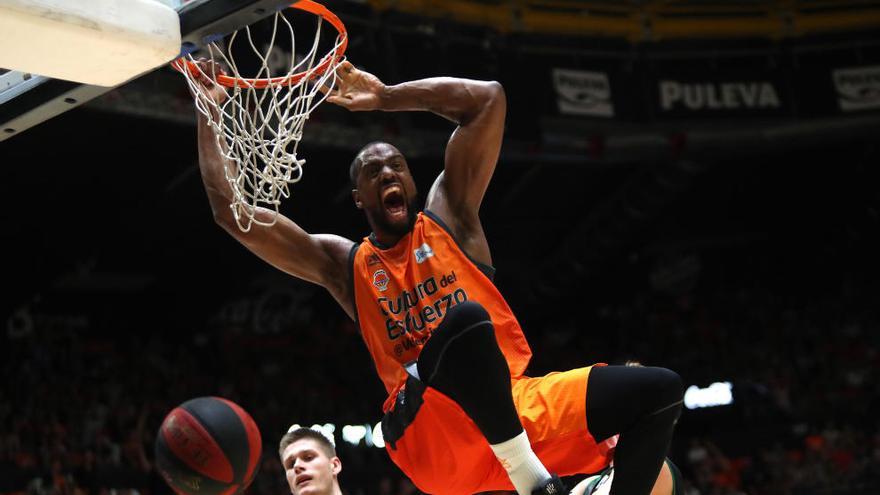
423 252
380 280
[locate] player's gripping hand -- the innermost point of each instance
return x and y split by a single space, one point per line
206 77
356 90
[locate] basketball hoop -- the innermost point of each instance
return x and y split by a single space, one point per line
260 123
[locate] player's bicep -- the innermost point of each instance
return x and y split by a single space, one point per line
473 151
285 245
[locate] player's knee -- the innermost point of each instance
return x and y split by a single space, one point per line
468 316
466 332
464 343
668 387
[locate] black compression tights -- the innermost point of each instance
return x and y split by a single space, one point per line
642 404
462 359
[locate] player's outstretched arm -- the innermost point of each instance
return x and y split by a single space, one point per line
317 258
478 107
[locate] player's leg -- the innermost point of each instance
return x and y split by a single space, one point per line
641 404
462 360
668 482
664 484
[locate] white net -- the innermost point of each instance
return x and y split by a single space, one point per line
260 123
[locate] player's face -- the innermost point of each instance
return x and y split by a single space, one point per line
386 190
308 469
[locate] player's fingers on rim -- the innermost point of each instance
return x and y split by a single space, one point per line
215 70
200 78
203 75
326 88
344 69
209 68
222 68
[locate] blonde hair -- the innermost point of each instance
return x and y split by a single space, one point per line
297 432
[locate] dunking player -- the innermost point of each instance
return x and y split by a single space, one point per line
310 462
461 417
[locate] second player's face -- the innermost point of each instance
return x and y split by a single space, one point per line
386 190
308 469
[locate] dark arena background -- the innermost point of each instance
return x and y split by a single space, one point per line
693 185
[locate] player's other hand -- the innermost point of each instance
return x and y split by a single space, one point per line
356 90
206 78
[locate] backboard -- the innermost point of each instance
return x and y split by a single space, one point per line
29 99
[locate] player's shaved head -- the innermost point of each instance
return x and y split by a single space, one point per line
356 164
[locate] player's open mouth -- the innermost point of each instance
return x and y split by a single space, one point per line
394 202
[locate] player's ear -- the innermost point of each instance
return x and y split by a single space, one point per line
355 195
335 465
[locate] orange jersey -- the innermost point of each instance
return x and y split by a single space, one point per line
403 292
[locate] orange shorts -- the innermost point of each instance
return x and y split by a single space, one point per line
443 452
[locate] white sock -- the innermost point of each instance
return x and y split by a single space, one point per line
523 466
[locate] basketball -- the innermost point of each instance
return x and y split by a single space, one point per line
208 445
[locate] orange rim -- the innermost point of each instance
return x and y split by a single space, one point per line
306 5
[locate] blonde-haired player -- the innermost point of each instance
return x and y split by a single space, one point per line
310 462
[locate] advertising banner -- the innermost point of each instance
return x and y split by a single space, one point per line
728 95
858 88
580 92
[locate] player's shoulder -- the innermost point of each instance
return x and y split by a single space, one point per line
334 243
440 219
337 250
